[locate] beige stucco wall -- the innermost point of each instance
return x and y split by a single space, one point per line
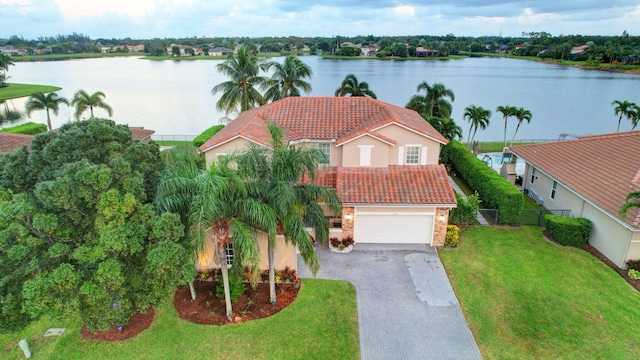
336 151
608 235
284 255
226 148
405 137
379 152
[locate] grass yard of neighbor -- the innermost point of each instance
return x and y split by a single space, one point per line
14 91
322 323
527 298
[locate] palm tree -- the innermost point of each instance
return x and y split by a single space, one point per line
478 117
48 102
447 127
352 87
631 201
521 115
434 102
507 112
5 62
626 109
240 92
215 203
275 175
83 101
287 79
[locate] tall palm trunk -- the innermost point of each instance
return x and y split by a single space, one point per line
272 273
469 140
514 134
221 236
49 120
619 120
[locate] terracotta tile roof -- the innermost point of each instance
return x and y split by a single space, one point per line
141 133
322 118
395 185
10 142
600 168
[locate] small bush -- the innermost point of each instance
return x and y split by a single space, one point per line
453 236
568 231
206 135
466 213
236 287
27 129
634 264
634 274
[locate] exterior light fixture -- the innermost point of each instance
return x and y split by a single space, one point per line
347 217
442 218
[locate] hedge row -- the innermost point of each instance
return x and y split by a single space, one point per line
495 191
206 135
26 128
567 230
466 213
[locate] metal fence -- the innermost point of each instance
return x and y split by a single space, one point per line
170 140
527 217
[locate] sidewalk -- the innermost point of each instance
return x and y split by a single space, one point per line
455 186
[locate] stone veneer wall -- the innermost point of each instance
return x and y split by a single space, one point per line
347 225
440 228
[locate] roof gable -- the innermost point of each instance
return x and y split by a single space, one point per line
600 168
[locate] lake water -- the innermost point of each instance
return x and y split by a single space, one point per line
173 97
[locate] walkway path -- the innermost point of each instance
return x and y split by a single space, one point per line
406 306
457 188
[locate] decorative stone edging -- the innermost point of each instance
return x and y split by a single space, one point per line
347 249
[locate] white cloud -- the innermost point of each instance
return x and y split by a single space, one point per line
405 10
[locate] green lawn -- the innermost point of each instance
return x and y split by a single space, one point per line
14 91
173 142
527 298
321 324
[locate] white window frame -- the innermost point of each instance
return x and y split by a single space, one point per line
228 254
554 187
365 154
408 149
533 175
325 147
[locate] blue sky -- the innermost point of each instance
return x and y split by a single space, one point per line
231 18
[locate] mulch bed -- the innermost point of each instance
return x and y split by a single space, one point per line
137 324
593 251
210 310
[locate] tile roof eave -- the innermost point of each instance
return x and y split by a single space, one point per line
229 140
401 205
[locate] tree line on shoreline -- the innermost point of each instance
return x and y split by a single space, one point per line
605 49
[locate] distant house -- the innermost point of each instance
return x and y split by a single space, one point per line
220 51
370 50
183 50
590 176
140 133
503 49
578 51
133 48
422 52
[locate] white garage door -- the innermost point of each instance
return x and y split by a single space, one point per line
400 228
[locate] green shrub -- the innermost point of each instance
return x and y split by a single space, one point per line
206 135
634 274
453 236
568 231
466 213
634 264
26 128
236 287
495 191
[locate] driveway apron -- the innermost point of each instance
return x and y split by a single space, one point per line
406 306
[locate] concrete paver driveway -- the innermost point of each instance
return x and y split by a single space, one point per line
406 306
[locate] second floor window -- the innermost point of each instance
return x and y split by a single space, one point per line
412 155
326 149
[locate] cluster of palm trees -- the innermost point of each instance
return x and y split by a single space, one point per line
82 101
5 62
241 91
630 110
253 191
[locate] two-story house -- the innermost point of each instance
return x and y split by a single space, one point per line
383 160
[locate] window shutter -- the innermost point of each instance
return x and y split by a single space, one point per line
423 160
401 155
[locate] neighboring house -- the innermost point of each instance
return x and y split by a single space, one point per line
183 50
142 134
422 52
10 142
370 50
590 176
220 51
578 51
383 160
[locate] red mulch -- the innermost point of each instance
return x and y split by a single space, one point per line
210 310
593 251
137 324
